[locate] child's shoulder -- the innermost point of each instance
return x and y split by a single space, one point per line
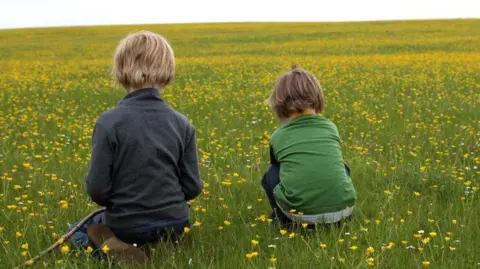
325 122
109 117
182 120
330 123
115 116
179 116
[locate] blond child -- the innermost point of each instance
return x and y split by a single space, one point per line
308 181
144 164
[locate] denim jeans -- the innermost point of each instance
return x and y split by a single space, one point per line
80 238
269 181
163 230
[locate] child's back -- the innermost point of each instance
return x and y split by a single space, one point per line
312 171
150 151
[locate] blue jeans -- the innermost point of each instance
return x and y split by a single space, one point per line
140 236
269 181
80 238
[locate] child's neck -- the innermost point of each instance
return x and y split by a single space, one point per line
305 112
297 114
130 90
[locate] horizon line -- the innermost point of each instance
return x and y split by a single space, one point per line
232 22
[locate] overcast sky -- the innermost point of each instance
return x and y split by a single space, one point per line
43 13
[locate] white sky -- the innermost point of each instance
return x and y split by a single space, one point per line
43 13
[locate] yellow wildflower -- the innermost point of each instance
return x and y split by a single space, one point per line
89 250
370 261
65 249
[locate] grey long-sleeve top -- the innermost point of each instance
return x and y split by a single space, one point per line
144 165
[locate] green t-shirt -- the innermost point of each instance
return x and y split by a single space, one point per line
313 179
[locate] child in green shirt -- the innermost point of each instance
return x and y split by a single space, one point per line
308 181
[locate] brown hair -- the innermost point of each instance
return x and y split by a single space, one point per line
143 59
296 91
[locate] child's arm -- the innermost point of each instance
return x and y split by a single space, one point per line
190 181
273 160
98 181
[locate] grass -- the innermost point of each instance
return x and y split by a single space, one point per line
404 95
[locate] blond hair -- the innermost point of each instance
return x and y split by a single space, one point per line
143 59
295 92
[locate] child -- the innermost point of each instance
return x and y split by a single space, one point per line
144 164
308 181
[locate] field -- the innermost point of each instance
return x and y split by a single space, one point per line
405 97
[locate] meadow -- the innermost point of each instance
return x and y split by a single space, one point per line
405 97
